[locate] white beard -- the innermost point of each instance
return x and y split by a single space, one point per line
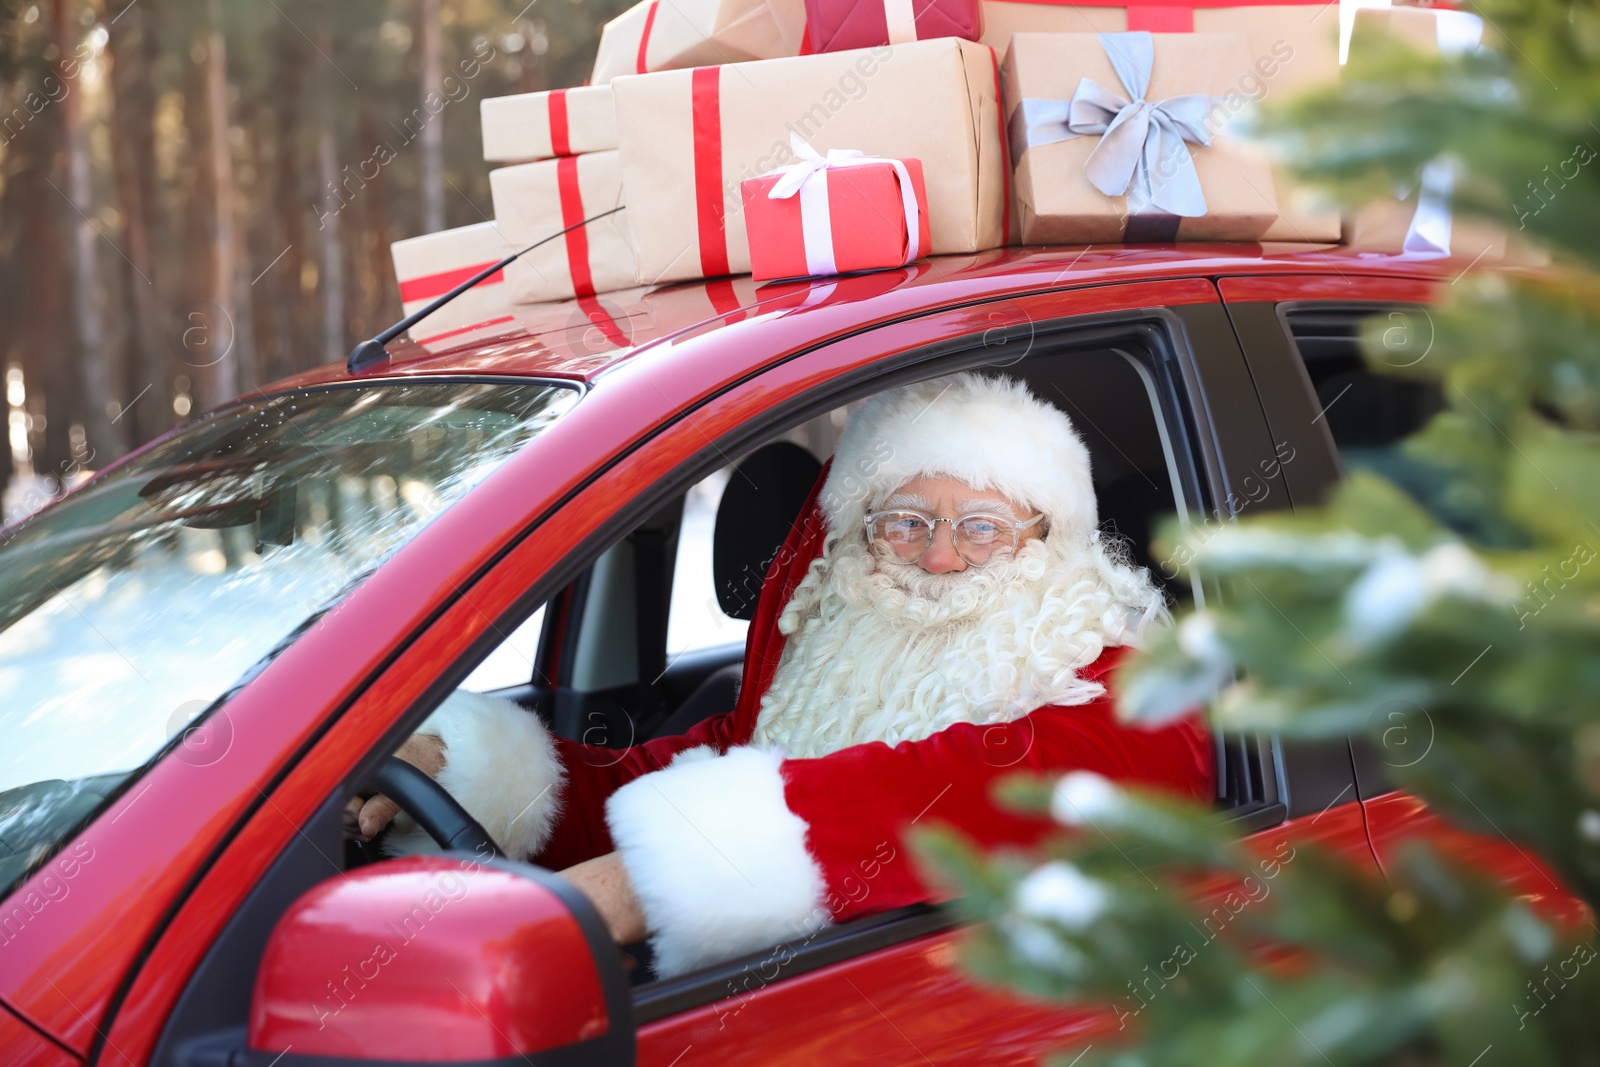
884 651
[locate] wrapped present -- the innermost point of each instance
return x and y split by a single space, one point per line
1435 30
429 266
840 25
1438 31
1418 221
535 200
680 34
688 138
1293 45
835 213
562 122
1112 134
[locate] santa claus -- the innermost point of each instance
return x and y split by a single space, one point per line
944 613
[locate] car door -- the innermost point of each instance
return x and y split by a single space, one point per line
1300 337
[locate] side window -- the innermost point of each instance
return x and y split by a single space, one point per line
512 664
695 620
1367 411
1114 402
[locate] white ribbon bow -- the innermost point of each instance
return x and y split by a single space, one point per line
1459 32
1142 152
808 177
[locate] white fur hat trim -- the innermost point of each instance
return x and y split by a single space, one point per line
990 432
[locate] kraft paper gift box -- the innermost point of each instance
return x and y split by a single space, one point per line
429 266
840 25
679 34
1070 187
688 138
1419 221
835 214
534 200
1294 45
1424 29
562 122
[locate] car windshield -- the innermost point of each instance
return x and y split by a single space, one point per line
140 601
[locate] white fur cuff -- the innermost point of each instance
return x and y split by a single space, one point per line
718 861
501 765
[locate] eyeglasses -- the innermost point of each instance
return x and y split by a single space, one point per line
908 534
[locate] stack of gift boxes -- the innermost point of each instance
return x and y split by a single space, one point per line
796 138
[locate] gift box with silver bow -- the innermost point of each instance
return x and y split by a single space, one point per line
1417 220
1124 137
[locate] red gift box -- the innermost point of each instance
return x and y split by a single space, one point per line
840 25
835 214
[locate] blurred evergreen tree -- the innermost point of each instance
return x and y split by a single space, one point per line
1489 559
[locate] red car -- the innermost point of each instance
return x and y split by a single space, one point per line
210 647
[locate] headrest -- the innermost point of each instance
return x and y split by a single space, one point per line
760 504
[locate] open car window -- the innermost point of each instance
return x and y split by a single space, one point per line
134 606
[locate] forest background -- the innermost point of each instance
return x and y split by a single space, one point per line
198 197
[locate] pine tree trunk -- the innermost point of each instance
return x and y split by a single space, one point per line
432 138
293 353
146 377
384 306
54 398
222 376
333 311
102 439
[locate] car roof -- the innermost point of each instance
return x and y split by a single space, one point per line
581 339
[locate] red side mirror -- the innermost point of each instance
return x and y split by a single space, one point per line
441 959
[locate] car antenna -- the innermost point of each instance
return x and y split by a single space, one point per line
373 351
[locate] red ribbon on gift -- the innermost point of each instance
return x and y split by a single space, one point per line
644 38
1171 18
429 286
559 143
710 211
571 215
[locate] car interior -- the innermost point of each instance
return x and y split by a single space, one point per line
603 670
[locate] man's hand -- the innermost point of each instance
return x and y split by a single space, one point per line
366 817
604 880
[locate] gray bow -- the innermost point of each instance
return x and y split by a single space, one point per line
1141 153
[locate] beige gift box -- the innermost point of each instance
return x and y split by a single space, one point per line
688 138
1292 47
677 34
1419 28
429 266
562 122
534 200
1057 203
1421 223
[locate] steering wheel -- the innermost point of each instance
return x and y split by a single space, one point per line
439 814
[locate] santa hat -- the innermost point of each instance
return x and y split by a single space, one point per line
990 432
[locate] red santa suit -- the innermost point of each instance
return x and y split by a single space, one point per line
734 846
